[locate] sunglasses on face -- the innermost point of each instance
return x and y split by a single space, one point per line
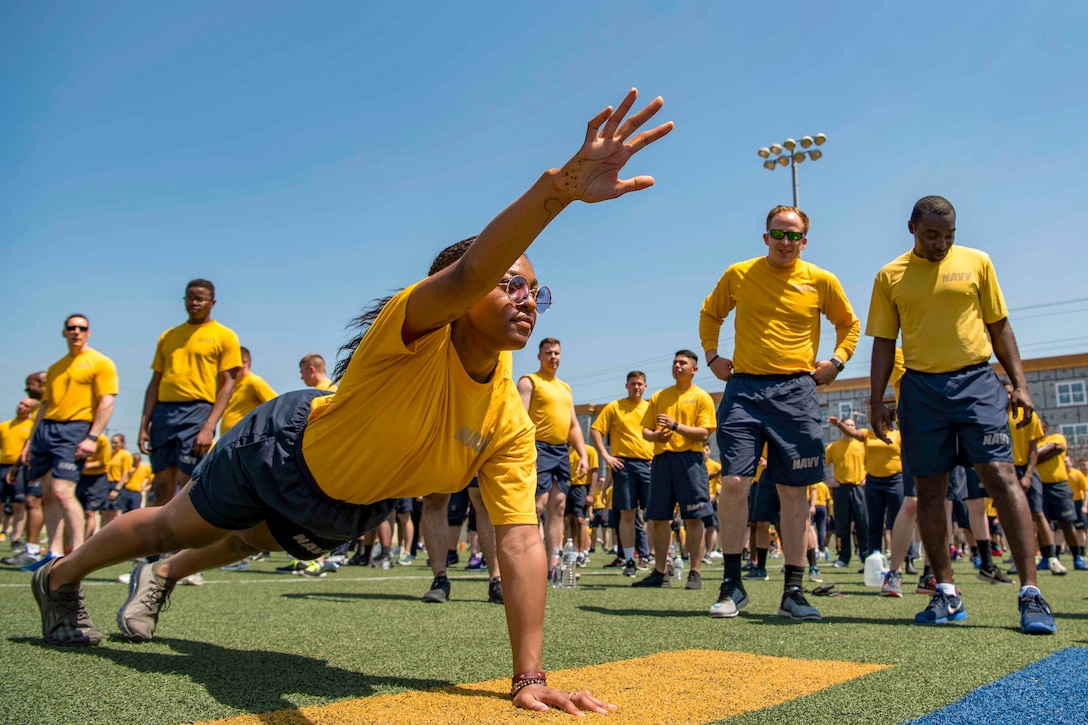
792 236
519 292
73 328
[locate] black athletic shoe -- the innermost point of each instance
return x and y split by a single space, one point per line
655 579
494 591
439 591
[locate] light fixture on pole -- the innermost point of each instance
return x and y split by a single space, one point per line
787 154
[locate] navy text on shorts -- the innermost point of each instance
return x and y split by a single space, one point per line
679 478
953 418
780 410
53 448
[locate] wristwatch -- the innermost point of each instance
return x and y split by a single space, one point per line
674 425
839 364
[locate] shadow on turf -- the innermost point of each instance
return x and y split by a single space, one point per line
627 611
256 681
346 596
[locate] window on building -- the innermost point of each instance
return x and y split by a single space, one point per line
1076 434
1070 392
846 410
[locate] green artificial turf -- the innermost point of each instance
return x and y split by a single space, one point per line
252 642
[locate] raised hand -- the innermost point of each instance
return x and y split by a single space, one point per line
592 174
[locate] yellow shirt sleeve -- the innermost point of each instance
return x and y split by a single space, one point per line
1052 470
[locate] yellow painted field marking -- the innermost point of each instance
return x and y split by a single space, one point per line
703 686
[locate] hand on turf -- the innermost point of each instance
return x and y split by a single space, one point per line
592 174
538 697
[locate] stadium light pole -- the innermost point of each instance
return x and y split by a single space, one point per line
787 154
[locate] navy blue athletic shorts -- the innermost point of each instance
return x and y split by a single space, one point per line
956 418
174 427
631 485
552 467
976 489
766 505
752 498
957 484
93 492
53 448
780 410
129 501
1035 491
457 510
576 502
1082 516
1058 503
256 473
7 490
679 478
404 505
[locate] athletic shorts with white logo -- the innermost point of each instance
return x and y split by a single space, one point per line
53 448
679 478
953 418
780 410
1058 502
174 427
256 473
552 467
631 485
93 492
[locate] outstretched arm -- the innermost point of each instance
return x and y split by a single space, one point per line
591 175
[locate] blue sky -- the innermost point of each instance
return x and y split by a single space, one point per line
309 157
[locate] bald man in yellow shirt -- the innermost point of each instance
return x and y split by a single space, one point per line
770 396
947 303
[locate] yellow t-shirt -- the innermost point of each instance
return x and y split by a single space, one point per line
190 358
594 465
1052 470
883 460
693 407
991 510
549 408
846 457
120 464
714 473
621 423
96 464
140 476
75 384
408 421
941 307
608 497
1022 437
13 436
777 319
1078 483
327 385
249 392
823 494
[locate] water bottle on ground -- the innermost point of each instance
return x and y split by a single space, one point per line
570 563
677 565
555 574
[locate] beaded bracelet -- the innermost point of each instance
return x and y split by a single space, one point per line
523 680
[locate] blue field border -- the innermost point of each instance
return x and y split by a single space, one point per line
1053 690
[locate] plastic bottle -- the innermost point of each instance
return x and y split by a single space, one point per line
570 563
677 566
556 572
875 568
